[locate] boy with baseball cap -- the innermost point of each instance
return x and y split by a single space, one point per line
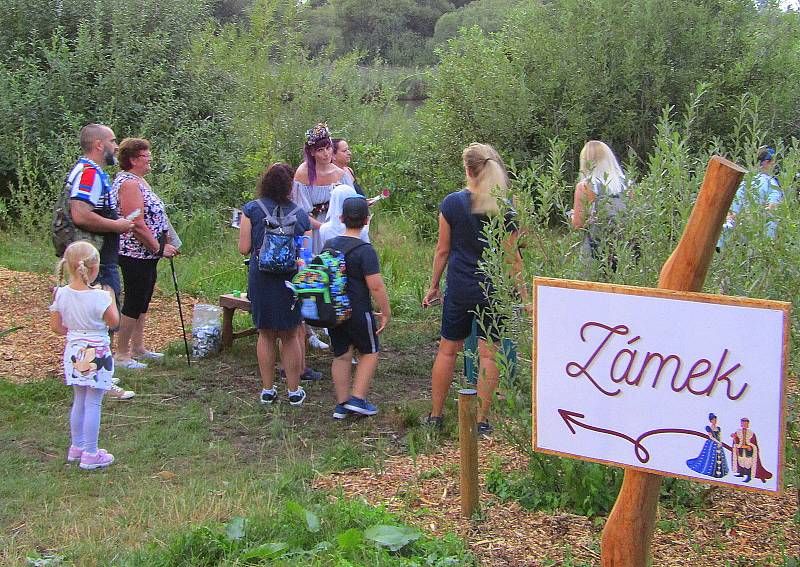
361 331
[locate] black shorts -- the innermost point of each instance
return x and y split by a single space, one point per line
457 320
138 281
358 331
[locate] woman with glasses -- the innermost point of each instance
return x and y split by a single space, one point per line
139 250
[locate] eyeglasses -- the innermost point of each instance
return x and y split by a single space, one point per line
148 156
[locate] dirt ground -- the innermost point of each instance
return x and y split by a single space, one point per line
34 351
733 528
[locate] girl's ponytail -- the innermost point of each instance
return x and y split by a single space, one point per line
490 179
60 271
83 272
79 259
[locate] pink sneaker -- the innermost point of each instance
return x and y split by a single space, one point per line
99 460
74 454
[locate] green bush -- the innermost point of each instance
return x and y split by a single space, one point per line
577 70
750 264
336 533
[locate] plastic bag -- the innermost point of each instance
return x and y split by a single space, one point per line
206 330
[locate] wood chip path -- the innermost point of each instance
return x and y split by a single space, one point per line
744 529
34 351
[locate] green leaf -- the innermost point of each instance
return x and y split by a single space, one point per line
265 551
312 521
294 508
235 528
393 537
4 333
350 539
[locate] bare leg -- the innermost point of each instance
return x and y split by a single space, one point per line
265 351
340 371
488 376
301 343
290 358
365 370
137 337
442 373
127 327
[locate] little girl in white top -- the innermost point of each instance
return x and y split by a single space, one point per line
84 314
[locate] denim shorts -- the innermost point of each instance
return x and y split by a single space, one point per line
109 275
457 318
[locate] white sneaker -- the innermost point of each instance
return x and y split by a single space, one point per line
315 342
130 364
119 394
149 355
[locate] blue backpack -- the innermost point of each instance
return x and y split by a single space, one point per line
278 253
321 287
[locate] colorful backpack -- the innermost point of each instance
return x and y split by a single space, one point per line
278 253
321 288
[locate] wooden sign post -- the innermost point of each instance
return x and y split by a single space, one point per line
663 382
468 451
628 533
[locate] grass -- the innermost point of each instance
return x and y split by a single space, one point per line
195 449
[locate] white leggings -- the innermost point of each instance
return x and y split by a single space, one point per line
84 420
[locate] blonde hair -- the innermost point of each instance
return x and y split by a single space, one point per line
489 177
79 259
598 165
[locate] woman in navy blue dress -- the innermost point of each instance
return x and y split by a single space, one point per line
711 460
273 307
459 249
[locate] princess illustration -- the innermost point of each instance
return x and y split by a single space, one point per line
711 460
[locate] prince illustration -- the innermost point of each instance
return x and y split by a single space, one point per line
745 455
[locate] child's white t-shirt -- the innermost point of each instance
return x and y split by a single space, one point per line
82 310
87 353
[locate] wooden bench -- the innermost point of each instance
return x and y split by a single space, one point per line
230 304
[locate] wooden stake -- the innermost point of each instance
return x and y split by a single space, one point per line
468 445
628 533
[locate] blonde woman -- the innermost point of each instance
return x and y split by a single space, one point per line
599 200
459 249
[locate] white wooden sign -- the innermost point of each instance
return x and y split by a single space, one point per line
687 385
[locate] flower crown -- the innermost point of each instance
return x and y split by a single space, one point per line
317 133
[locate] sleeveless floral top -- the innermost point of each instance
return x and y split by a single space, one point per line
154 217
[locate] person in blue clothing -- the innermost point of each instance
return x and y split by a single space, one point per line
711 461
273 307
361 331
763 190
459 248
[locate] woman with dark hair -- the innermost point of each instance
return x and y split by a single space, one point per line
275 312
139 250
460 246
316 177
711 460
341 157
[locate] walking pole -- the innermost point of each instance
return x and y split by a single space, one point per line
180 308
